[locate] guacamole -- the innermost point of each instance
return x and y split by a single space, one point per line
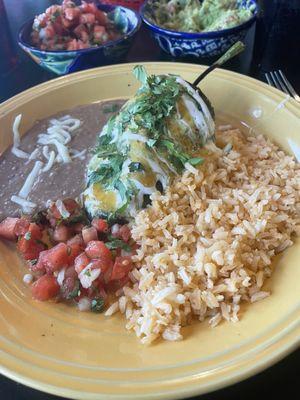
198 16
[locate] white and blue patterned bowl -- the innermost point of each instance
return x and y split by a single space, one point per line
200 45
63 62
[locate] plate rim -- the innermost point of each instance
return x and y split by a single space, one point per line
285 344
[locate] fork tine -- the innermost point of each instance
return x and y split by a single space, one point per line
289 86
281 83
268 79
274 79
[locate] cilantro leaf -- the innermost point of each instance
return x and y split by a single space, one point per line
116 243
98 305
195 161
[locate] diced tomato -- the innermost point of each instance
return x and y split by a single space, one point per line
121 231
101 17
74 250
87 18
58 27
62 233
35 231
100 224
72 13
88 7
66 23
29 249
81 261
97 249
82 45
49 31
121 267
53 259
45 288
55 9
70 286
125 233
30 245
79 29
77 228
21 227
89 234
76 239
7 227
104 265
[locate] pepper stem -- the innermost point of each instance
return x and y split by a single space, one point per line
234 50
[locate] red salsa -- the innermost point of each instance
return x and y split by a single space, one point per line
70 257
71 27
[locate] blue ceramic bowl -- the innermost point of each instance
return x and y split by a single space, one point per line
66 61
206 44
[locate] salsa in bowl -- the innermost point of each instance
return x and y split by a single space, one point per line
90 36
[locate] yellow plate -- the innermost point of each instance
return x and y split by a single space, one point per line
55 348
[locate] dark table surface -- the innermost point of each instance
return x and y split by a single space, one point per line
273 43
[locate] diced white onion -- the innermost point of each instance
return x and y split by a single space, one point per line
62 209
61 276
84 304
88 275
27 278
29 182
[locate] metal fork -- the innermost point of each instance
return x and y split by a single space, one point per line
279 80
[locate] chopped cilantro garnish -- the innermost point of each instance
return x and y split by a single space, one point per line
75 292
27 236
115 243
98 305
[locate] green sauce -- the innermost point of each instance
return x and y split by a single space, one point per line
196 16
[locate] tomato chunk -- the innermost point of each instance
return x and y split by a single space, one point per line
53 259
100 224
30 248
81 261
45 288
21 226
89 234
62 233
74 250
121 267
7 227
97 249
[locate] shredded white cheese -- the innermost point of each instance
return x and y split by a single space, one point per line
22 202
50 162
29 182
16 132
33 155
19 153
58 135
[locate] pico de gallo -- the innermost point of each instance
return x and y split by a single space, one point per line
71 27
70 258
